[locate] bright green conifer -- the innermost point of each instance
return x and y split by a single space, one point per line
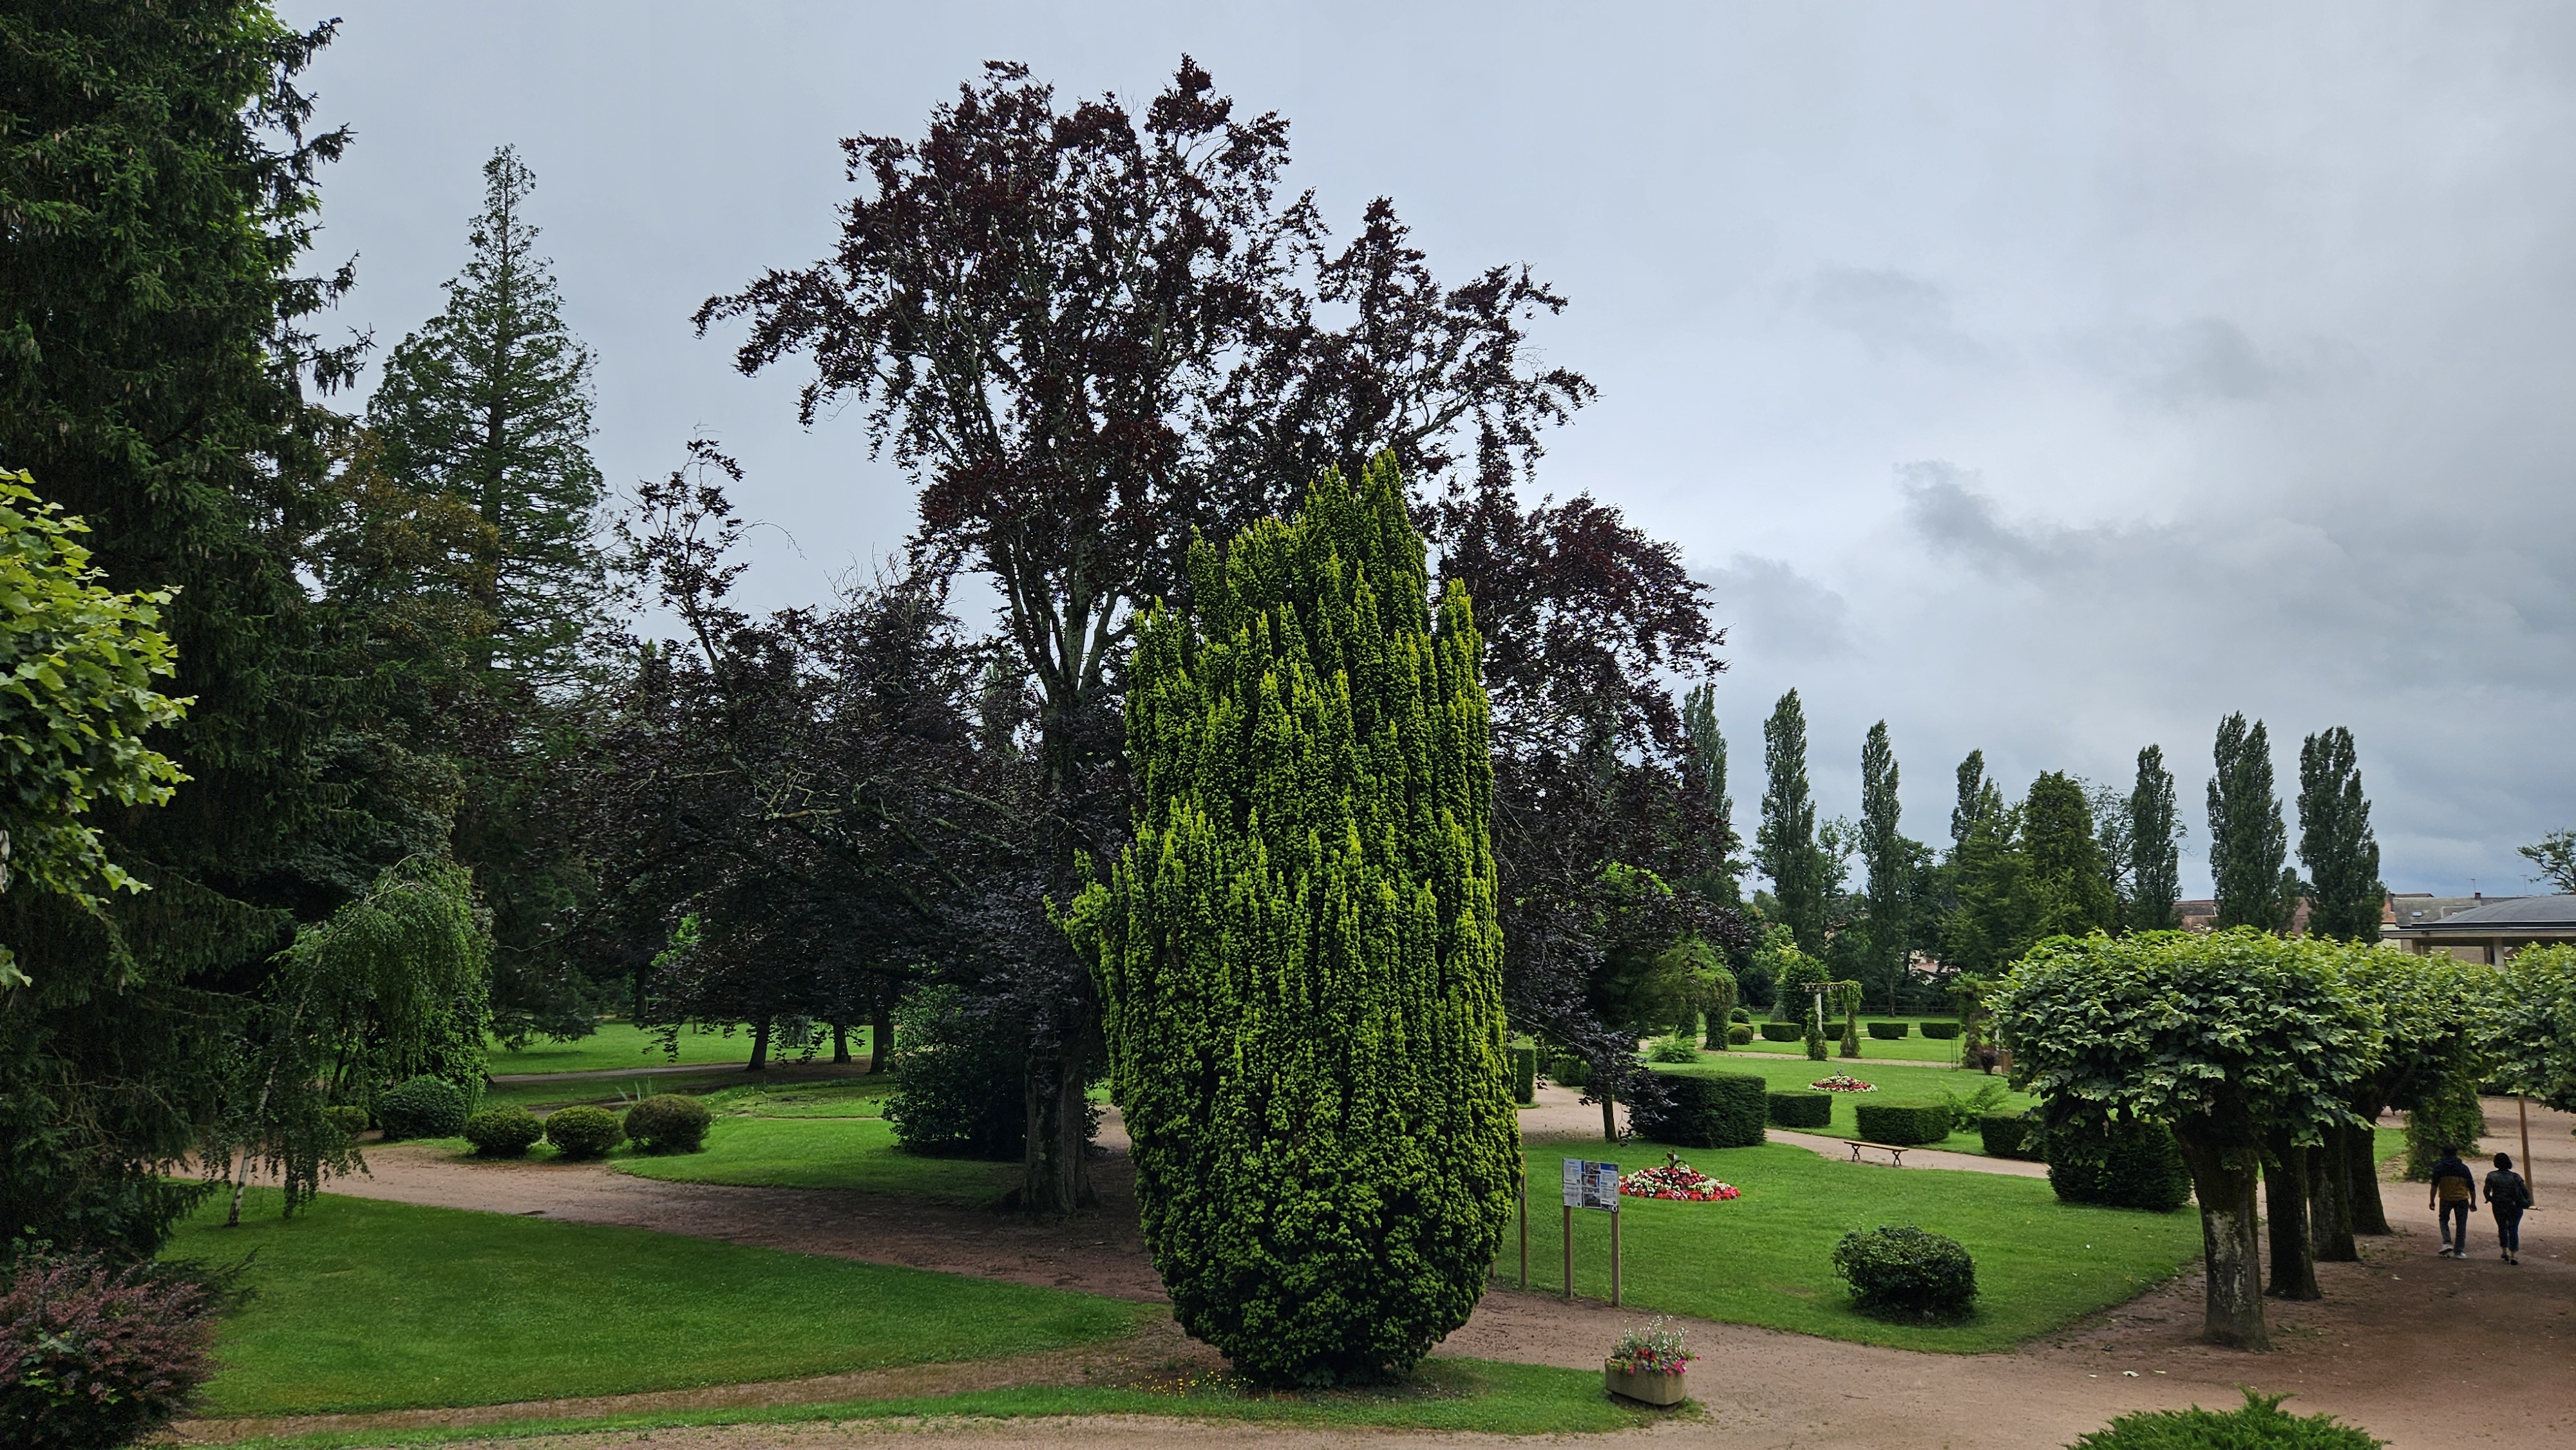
1299 957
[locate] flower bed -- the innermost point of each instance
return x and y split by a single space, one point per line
1655 1349
1677 1181
1842 1082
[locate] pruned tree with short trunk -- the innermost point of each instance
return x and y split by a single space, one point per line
2224 1037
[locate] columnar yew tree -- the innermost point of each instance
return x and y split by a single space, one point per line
1299 956
2224 1037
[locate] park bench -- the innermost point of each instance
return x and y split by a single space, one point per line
1895 1153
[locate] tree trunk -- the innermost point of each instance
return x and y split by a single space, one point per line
840 1042
1609 1116
1055 1171
2330 1200
2285 1211
2361 1182
2223 1180
759 1047
880 1037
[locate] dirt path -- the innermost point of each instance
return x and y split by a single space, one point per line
2423 1352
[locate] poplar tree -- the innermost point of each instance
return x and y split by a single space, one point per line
2247 841
2336 843
1705 746
2072 891
1298 955
1785 843
1881 846
2155 862
1974 792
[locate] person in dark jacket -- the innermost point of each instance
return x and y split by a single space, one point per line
2454 1194
2507 1197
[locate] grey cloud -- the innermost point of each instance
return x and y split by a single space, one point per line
1890 310
1773 612
2211 360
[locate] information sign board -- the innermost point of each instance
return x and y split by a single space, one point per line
1589 1184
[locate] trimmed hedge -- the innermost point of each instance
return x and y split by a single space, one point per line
1571 1072
1739 1034
1524 1075
668 1123
503 1132
425 1107
1799 1108
1905 1272
2127 1164
1888 1031
1716 1110
582 1131
1783 1031
2011 1135
1905 1125
1940 1031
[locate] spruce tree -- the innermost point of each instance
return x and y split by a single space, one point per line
1298 956
1785 843
2336 843
489 403
2155 862
2247 841
1882 847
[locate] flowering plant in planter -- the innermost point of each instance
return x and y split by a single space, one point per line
1842 1082
1654 1349
1673 1179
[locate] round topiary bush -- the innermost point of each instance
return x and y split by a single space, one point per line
93 1357
668 1123
1798 1108
503 1132
2124 1164
1739 1015
582 1131
349 1118
1907 1273
1740 1034
2260 1421
1888 1031
425 1107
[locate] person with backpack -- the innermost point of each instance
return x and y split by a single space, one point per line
2507 1197
2455 1193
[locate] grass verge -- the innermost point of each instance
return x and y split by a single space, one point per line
1763 1258
823 1153
1476 1396
366 1305
623 1044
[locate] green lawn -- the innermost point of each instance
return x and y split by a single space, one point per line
861 1097
1912 1047
1895 1085
1470 1395
820 1152
1763 1258
365 1305
623 1044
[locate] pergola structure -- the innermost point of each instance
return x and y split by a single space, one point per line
2489 933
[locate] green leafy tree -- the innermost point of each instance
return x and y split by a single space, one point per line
2555 855
1785 843
1704 746
1996 903
1882 849
2223 1037
2433 1012
1975 794
2071 890
2155 858
2247 841
77 666
2336 843
1299 953
2528 1032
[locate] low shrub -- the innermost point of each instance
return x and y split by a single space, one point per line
1783 1031
582 1131
668 1123
2011 1135
2450 1114
1940 1031
425 1107
1740 1034
2258 1424
1888 1031
1739 1015
2124 1164
1969 1110
503 1132
1672 1049
1571 1072
1904 1124
92 1357
1524 1074
1714 1110
349 1118
1801 1109
1907 1273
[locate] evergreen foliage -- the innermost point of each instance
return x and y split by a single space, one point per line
583 1131
503 1132
1906 1272
2258 1424
2116 1163
2155 861
2247 841
1801 1108
423 1107
667 1123
1785 843
1299 957
1904 1124
1703 1110
2336 843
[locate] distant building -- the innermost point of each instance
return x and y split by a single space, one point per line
2486 929
2202 916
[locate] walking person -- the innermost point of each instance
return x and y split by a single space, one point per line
2454 1194
2507 1197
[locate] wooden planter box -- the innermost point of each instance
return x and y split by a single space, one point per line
1651 1389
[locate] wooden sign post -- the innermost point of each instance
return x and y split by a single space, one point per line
1591 1185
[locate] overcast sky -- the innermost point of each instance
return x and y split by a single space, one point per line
2047 378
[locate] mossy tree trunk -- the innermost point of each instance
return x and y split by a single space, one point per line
2285 1217
2222 1178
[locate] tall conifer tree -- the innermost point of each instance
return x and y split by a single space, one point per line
2336 843
1299 954
2247 840
1785 843
2155 862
